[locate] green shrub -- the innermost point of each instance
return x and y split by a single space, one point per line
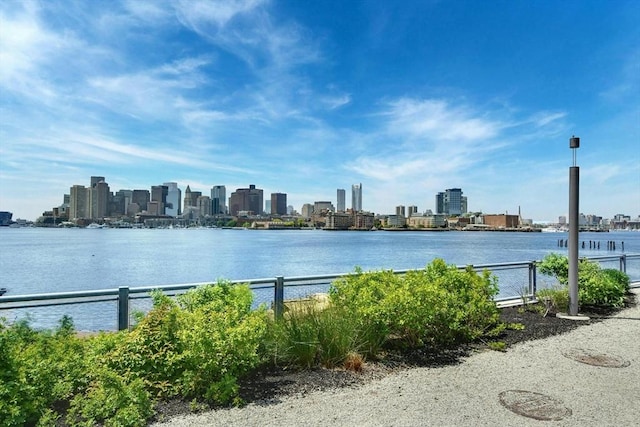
196 346
37 370
555 265
439 305
619 277
111 399
596 287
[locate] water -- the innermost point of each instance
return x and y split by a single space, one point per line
40 260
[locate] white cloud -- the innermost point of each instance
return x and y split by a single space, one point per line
436 119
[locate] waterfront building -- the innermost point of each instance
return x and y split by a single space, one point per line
204 206
501 221
356 197
120 202
5 218
246 199
427 221
341 202
323 206
140 198
451 202
159 194
307 210
173 205
395 221
78 202
218 200
100 196
278 204
339 220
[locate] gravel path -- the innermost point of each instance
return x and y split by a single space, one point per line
475 392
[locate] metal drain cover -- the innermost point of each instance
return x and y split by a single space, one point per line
534 405
594 358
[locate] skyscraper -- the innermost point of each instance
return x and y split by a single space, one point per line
78 202
174 199
159 194
356 197
100 196
219 200
341 202
451 202
278 204
246 199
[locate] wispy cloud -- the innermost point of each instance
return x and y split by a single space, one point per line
438 120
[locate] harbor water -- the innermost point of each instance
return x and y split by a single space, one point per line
42 260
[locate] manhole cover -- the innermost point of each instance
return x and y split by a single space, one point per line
534 405
596 359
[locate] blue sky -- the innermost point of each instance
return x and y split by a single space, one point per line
304 97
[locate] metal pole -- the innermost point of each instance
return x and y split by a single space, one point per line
278 297
574 195
123 308
533 285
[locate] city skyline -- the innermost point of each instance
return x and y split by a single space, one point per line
306 98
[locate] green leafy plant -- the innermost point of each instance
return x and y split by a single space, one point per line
439 305
596 287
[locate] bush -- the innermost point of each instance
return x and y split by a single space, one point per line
439 305
196 346
37 370
596 287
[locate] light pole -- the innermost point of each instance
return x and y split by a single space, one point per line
574 196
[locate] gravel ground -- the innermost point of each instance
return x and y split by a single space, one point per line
470 386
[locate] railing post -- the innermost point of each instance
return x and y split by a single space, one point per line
623 263
123 308
278 297
533 279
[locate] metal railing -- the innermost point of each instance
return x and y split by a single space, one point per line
518 281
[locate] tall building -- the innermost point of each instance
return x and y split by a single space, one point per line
190 198
341 205
79 200
412 210
218 200
307 210
246 199
278 204
451 202
100 197
95 180
356 197
159 194
203 204
319 207
140 198
174 199
400 211
120 202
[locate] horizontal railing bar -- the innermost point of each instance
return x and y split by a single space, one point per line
55 302
89 296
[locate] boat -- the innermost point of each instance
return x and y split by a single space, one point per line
3 291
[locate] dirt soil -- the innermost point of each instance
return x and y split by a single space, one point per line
270 384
